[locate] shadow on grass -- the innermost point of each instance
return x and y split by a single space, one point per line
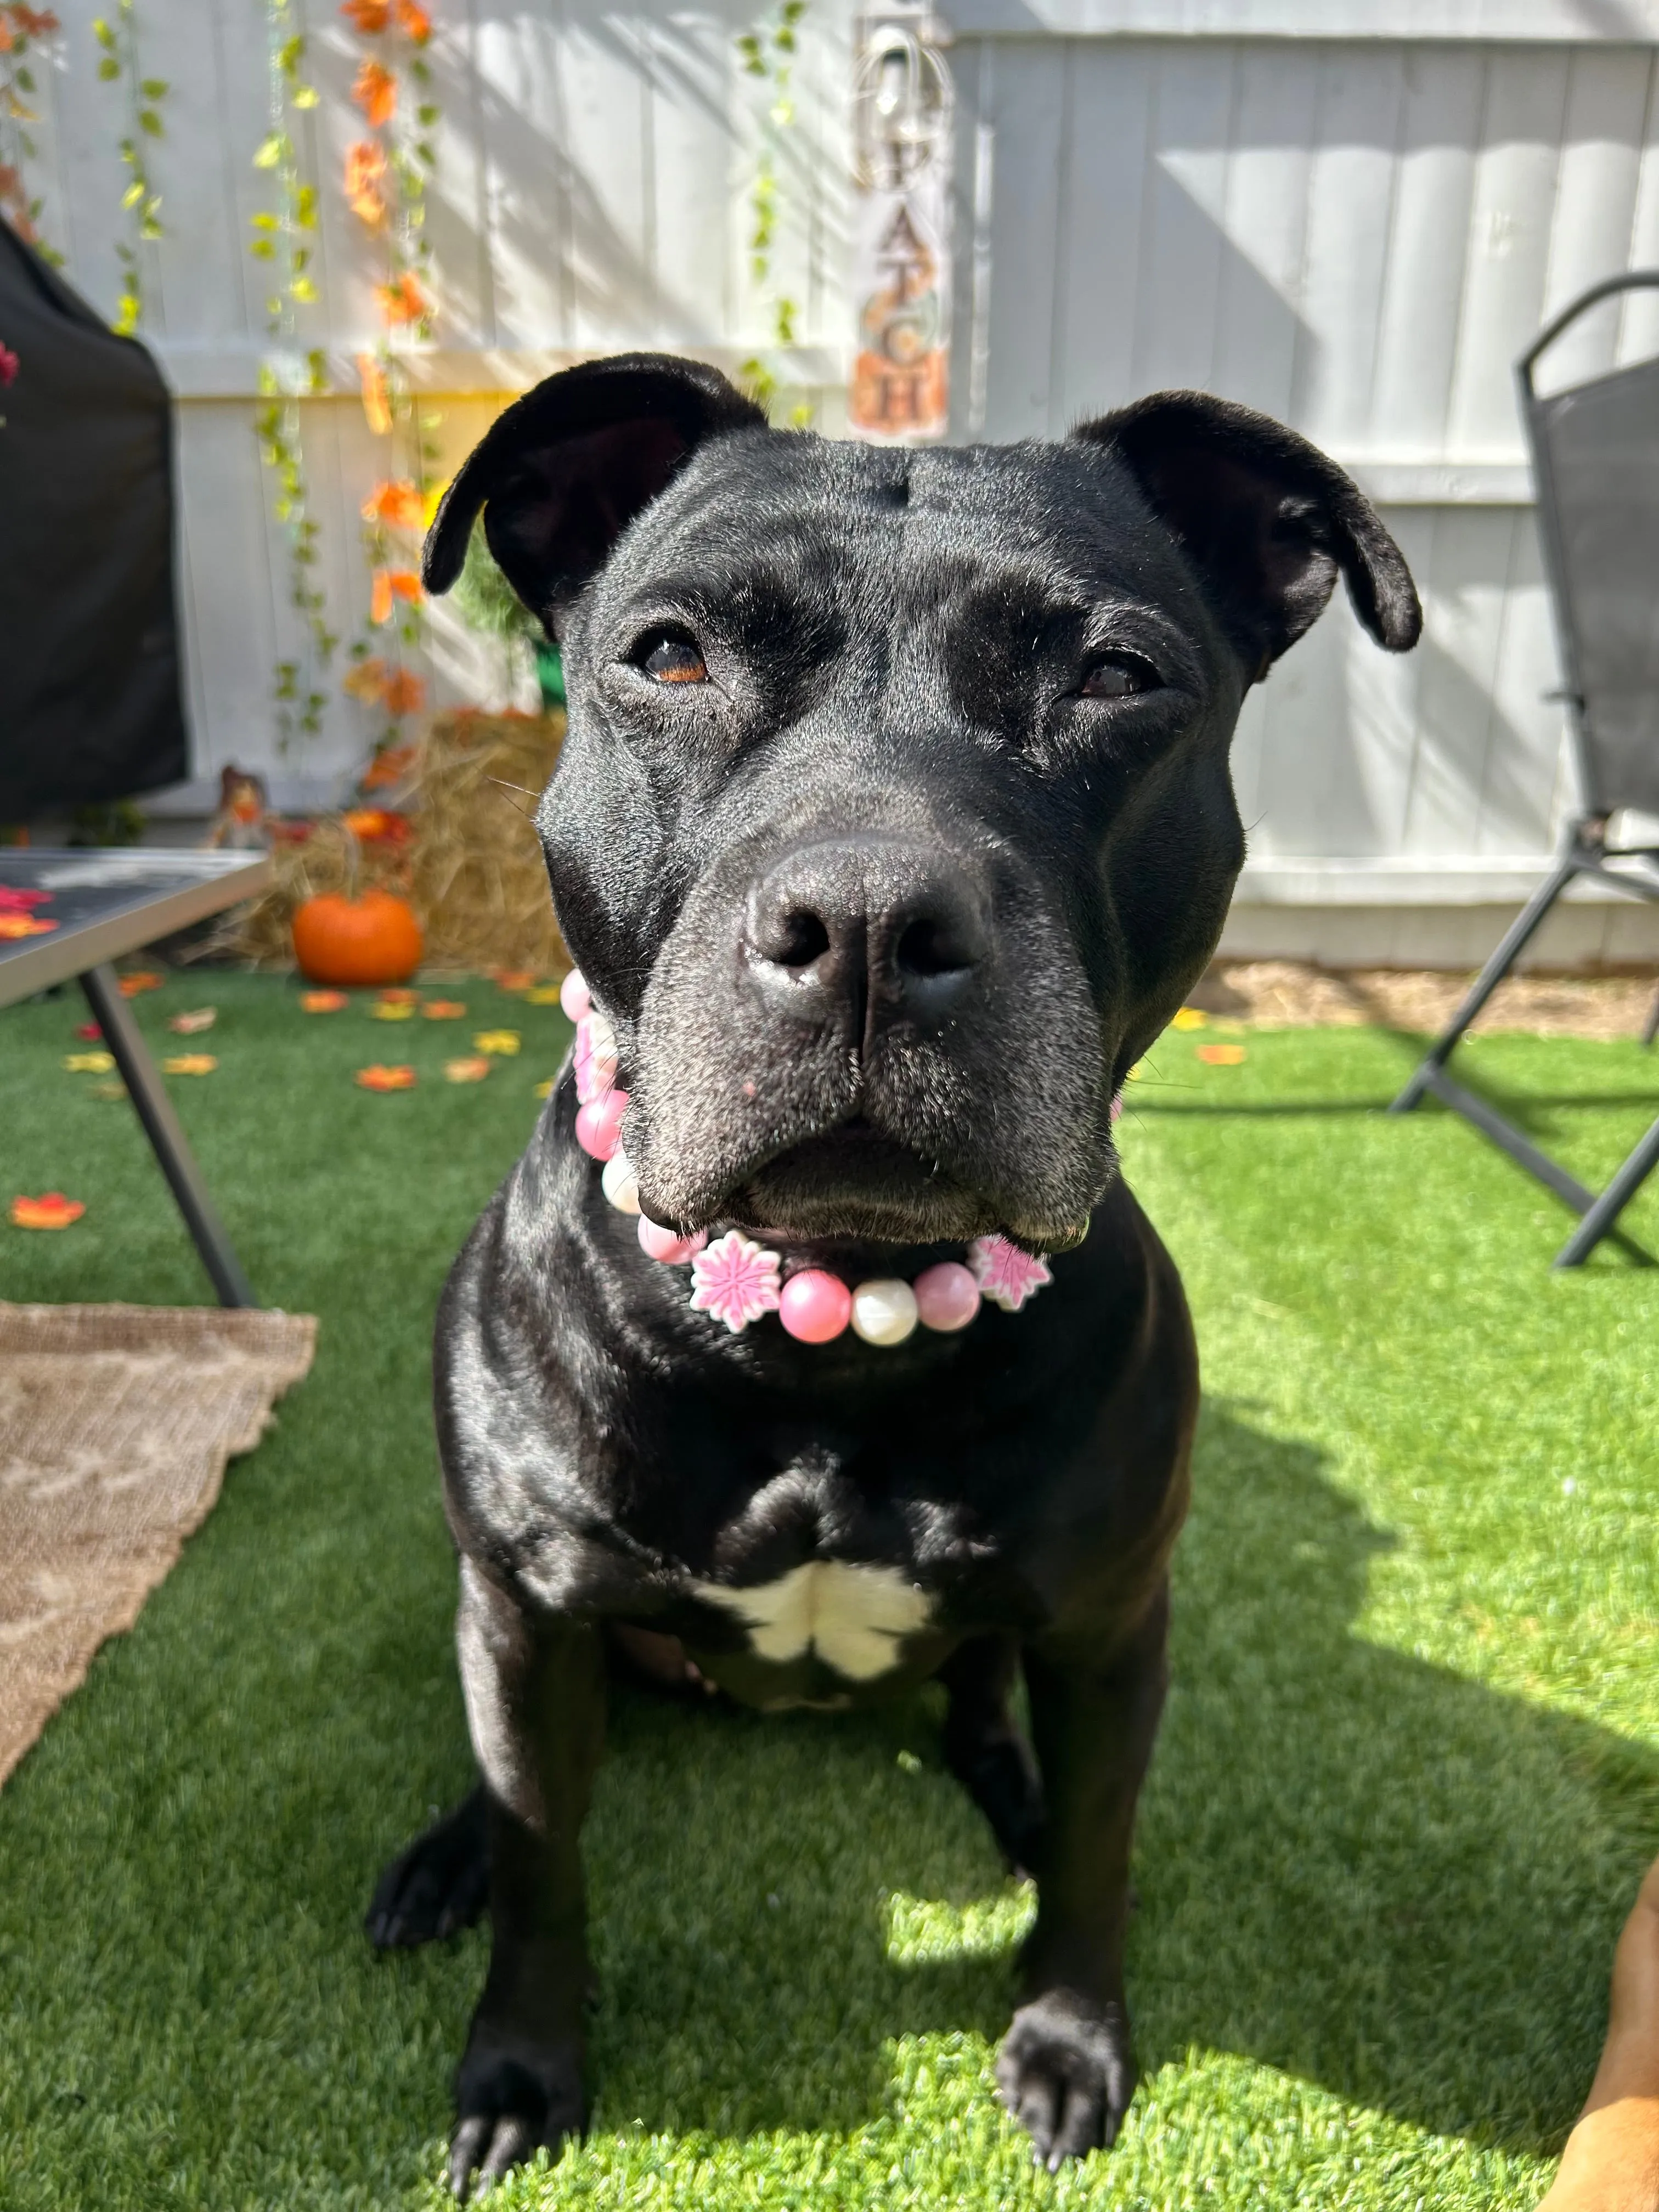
1353 1866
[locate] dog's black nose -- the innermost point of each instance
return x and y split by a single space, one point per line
871 930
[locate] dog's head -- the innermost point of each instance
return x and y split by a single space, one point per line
894 818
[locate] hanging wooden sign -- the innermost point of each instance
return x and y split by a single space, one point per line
901 110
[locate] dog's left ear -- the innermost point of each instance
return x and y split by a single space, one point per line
566 468
1266 519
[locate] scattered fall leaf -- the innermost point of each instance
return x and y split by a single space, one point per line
12 899
544 994
51 1210
444 1009
141 979
191 1023
88 1063
514 979
1135 1072
392 1013
117 1089
376 826
14 926
397 994
190 1063
1190 1017
89 1031
1221 1056
501 1042
465 1071
545 1090
386 1078
322 1002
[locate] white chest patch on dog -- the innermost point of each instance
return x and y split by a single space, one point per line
854 1617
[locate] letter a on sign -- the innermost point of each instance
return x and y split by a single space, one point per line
902 104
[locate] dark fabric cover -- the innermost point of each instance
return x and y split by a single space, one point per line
1600 443
89 686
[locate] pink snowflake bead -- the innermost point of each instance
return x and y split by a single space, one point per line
947 1297
735 1280
598 1124
815 1306
667 1245
1006 1275
573 995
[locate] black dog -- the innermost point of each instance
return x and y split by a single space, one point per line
893 823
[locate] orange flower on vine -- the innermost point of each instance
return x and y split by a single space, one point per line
390 584
402 694
377 397
376 93
397 503
366 681
413 22
365 171
368 17
402 301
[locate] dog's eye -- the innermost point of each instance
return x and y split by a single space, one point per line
668 658
1119 676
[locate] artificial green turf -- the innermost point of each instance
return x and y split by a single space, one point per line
1408 1778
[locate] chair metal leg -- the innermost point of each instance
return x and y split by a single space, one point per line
1522 930
168 1140
1601 1218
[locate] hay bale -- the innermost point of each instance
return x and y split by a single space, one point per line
476 875
472 868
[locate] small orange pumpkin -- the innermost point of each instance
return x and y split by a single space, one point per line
373 939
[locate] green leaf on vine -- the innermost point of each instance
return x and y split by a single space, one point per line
133 194
153 88
149 122
108 68
102 32
269 152
305 95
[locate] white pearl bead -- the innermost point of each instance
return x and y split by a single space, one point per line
884 1311
620 1184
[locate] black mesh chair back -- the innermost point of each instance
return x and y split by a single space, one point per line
1595 458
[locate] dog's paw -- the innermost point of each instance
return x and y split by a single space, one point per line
439 1886
1065 2074
511 2099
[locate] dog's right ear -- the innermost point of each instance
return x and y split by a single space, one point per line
566 468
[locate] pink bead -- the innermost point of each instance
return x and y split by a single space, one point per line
667 1245
815 1306
573 995
598 1124
947 1297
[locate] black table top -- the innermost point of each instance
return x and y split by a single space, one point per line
62 912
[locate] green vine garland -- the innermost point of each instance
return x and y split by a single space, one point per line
23 27
769 53
283 241
119 61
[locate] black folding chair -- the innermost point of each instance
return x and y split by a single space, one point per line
1596 465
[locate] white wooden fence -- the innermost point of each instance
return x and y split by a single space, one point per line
1350 216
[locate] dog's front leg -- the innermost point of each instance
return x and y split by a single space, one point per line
1066 2070
535 1703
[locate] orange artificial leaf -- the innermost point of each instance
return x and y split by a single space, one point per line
190 1063
403 299
402 693
385 1079
22 925
376 93
380 598
413 22
397 994
514 979
391 1013
498 1043
365 169
376 826
444 1009
322 1002
366 681
405 584
389 767
377 399
544 994
51 1210
397 502
465 1071
190 1024
1221 1056
367 15
141 979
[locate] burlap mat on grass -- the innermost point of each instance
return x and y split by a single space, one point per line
115 1426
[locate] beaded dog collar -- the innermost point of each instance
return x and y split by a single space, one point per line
737 1280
